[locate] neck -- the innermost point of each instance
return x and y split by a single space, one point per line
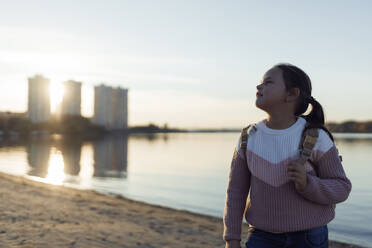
280 121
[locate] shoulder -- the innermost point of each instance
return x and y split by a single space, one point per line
250 131
324 143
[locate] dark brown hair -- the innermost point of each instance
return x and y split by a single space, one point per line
294 77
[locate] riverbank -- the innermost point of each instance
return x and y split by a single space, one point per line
35 214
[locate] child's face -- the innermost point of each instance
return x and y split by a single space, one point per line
271 90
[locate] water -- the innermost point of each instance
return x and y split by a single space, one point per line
180 170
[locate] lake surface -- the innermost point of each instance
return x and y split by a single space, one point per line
180 170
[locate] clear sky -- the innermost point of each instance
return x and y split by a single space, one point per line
191 63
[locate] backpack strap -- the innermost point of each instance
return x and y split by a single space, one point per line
339 155
307 143
243 146
244 138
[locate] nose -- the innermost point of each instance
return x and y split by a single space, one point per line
258 87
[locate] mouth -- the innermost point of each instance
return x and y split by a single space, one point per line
258 94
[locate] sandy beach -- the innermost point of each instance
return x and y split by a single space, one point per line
35 214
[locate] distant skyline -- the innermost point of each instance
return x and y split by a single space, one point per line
191 64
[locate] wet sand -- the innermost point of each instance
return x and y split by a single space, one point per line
35 214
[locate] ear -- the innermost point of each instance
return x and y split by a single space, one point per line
292 94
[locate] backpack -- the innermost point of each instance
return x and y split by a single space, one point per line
307 143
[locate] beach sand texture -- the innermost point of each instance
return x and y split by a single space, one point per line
35 214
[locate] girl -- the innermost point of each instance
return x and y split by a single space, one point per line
288 205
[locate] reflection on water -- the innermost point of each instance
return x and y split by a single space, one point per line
110 157
57 158
38 157
151 137
180 170
56 173
71 153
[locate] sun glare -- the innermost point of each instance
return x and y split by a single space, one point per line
56 95
56 173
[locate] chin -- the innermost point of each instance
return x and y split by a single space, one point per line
260 106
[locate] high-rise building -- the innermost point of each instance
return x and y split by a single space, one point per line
110 107
120 108
102 105
38 99
71 102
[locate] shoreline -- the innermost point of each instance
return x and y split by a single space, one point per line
35 214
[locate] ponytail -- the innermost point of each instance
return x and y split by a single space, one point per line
294 77
315 118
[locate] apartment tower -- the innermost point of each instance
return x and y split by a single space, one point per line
111 107
71 102
38 99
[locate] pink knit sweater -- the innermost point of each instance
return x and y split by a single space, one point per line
273 203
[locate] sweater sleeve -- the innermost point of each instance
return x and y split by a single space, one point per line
332 186
236 196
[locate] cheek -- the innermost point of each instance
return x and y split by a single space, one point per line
272 98
275 94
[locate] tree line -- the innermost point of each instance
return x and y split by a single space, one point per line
69 124
350 127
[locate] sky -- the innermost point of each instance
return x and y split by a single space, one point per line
190 64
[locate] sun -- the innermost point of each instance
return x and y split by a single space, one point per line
56 96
